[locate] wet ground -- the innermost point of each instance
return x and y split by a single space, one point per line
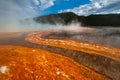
22 63
101 64
105 36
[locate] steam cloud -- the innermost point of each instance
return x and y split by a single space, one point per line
17 25
12 12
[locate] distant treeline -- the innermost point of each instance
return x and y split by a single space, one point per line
91 20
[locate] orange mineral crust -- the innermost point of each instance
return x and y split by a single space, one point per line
21 63
106 51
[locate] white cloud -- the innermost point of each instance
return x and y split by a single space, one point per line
36 2
105 2
23 8
44 4
13 11
16 9
97 7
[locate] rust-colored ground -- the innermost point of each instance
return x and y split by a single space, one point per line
21 63
110 52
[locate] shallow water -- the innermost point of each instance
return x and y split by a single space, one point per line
99 36
109 36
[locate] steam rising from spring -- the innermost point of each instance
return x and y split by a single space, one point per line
15 25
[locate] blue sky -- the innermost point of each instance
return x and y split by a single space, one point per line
11 11
31 8
63 5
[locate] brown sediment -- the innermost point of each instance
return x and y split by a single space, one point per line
97 62
21 63
101 58
106 51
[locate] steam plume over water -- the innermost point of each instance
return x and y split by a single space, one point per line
16 25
